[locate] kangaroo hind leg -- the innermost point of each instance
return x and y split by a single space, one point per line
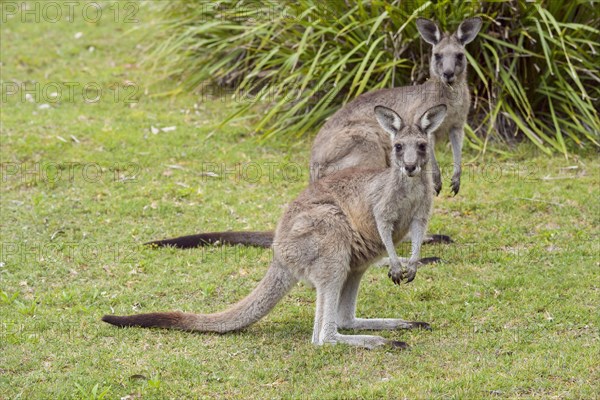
347 311
329 293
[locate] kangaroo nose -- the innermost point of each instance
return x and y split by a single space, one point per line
410 168
448 75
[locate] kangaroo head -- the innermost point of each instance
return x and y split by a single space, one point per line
410 146
448 62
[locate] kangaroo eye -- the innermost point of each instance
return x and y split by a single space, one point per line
460 56
398 147
437 56
422 147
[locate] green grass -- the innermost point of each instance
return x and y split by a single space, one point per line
514 306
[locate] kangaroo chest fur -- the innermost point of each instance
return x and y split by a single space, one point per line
334 219
409 198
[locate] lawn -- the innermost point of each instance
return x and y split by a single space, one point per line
92 167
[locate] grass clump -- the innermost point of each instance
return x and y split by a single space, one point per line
533 69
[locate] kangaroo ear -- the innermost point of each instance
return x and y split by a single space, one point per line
389 120
433 118
468 29
429 31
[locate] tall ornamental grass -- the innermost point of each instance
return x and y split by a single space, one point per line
534 69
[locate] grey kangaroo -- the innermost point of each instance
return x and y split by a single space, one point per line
347 140
330 235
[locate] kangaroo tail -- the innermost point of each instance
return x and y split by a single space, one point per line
258 239
276 283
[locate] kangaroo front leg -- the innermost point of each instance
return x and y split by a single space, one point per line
396 272
456 140
435 168
417 230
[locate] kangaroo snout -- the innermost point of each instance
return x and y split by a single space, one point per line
448 76
410 169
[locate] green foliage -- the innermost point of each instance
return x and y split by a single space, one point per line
92 394
534 68
6 299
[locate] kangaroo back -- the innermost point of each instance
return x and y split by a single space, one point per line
276 283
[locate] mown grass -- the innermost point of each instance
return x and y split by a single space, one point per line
514 306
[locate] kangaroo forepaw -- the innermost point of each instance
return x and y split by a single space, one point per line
398 274
437 187
395 275
410 273
455 185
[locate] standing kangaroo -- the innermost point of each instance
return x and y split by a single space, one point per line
331 234
347 140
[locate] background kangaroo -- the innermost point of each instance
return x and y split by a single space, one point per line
348 140
331 234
